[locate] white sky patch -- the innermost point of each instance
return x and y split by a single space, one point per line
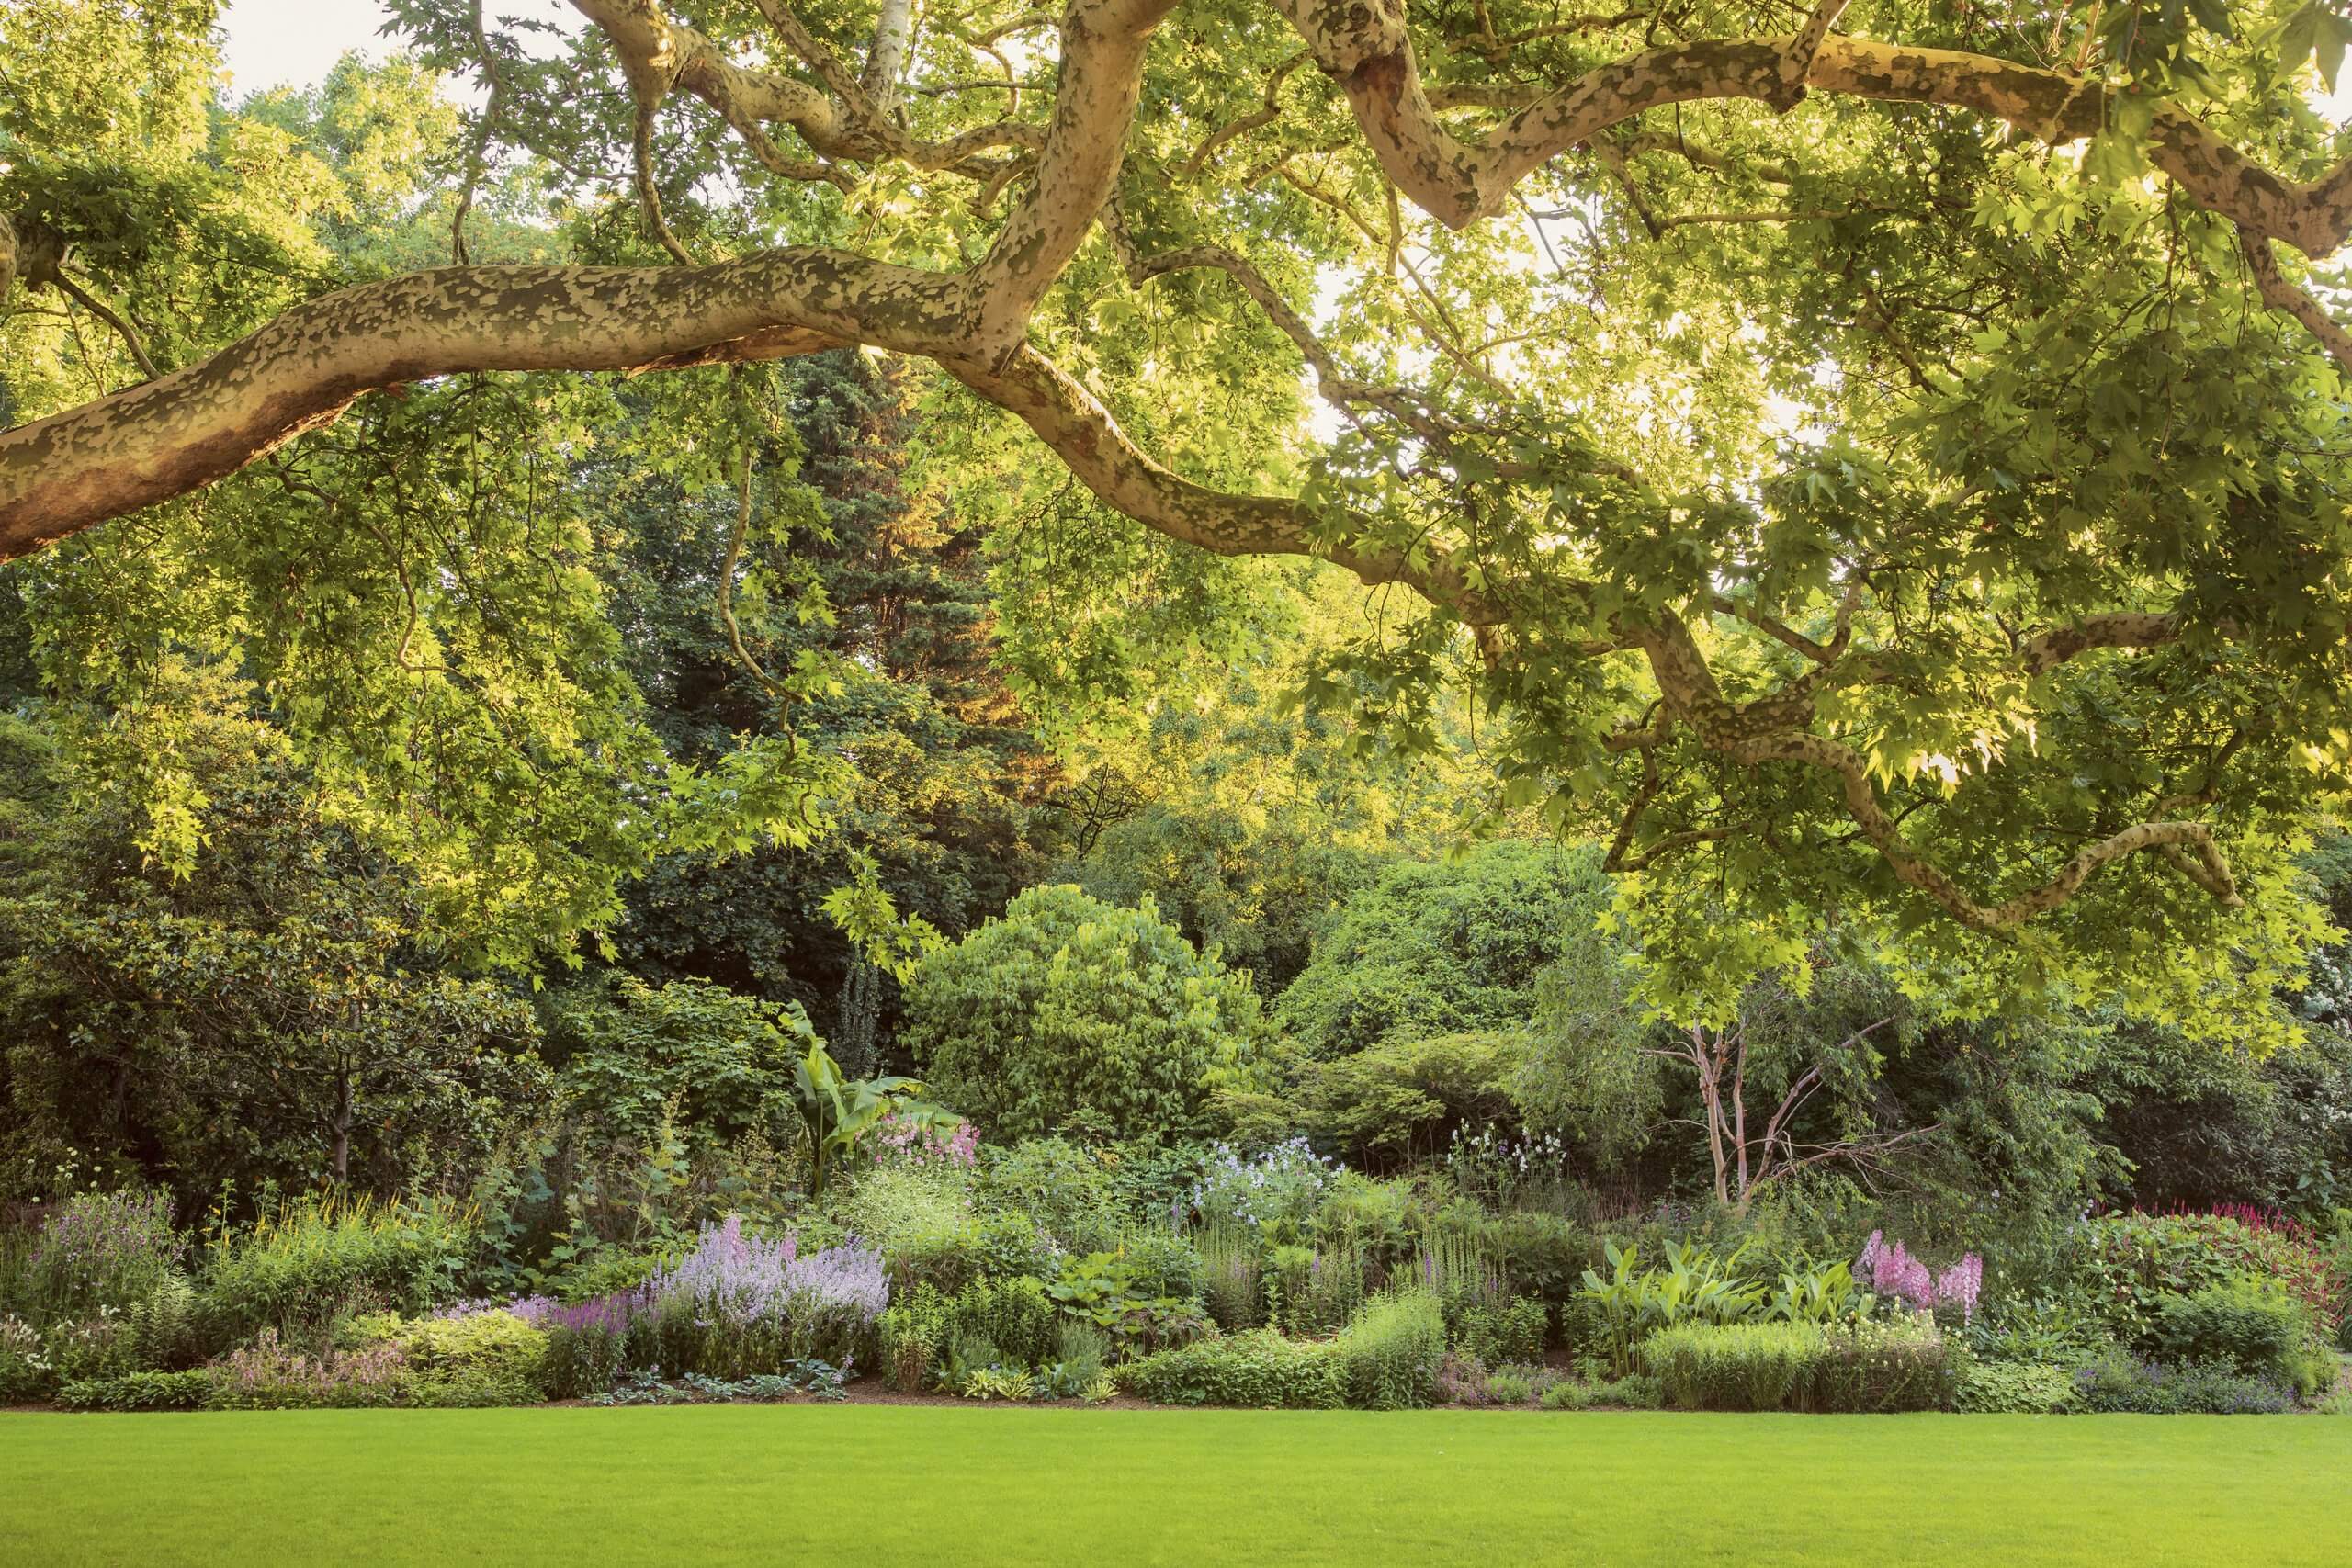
282 43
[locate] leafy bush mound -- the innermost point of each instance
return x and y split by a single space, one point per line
2014 1388
2251 1325
1068 1008
483 1357
1259 1368
2127 1266
190 1389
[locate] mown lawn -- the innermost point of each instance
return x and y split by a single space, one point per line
987 1486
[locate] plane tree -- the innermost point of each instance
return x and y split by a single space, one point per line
1877 464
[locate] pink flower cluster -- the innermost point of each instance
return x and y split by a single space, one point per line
1892 1271
910 1141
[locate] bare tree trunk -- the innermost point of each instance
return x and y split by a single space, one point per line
1739 1111
1707 1054
340 1150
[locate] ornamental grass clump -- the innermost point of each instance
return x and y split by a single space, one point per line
739 1304
1740 1366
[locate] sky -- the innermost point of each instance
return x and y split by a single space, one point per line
273 43
276 42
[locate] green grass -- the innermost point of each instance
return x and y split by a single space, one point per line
991 1485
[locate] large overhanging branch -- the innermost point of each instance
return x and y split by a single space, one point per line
1367 51
180 432
185 430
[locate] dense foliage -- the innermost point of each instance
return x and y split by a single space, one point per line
1070 1010
1612 880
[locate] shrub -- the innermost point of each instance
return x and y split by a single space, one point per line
1160 1262
2120 1384
98 1347
1872 1365
1541 1255
1464 1380
931 1338
97 1252
139 1391
1631 1302
1745 1366
1390 1355
165 1334
686 1053
2014 1388
890 1206
1313 1293
1332 1288
2253 1325
913 1335
2124 1266
1398 1100
1108 1290
1875 1366
494 1353
1271 1195
1518 1385
606 1271
997 1246
1016 1316
1081 1354
1068 1008
1381 1219
1437 948
1260 1368
1064 1188
1636 1391
1496 1333
587 1342
306 1263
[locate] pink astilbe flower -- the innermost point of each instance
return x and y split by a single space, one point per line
911 1142
1961 1285
1892 1271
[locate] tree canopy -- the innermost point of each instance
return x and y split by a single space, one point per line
1877 464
